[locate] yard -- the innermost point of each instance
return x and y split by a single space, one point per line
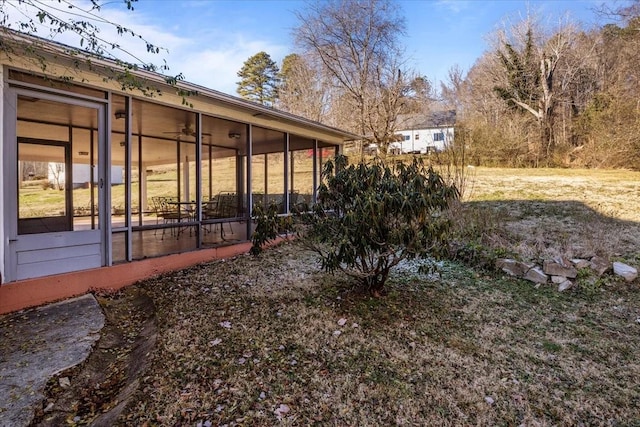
270 339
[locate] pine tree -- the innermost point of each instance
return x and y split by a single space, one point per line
259 79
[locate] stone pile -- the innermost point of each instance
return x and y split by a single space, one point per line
561 271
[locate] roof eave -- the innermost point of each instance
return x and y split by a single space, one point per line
161 79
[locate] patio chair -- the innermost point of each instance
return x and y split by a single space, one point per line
222 206
164 211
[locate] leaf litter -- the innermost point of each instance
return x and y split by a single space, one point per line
260 347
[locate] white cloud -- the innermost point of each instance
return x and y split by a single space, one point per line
209 57
141 25
217 67
24 12
454 6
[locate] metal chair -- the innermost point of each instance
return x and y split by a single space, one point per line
166 212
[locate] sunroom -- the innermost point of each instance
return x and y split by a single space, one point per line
94 176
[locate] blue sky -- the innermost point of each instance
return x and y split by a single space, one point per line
208 40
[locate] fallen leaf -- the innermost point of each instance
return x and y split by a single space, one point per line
281 410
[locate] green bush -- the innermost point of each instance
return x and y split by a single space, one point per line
269 225
369 217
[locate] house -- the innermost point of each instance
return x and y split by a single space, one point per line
81 175
422 134
189 174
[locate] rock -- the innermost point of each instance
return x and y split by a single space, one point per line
599 265
513 267
49 408
567 284
489 400
583 253
559 267
580 263
557 279
629 273
64 382
536 275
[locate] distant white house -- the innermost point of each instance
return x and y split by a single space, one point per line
424 134
82 175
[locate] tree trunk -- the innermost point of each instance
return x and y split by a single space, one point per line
547 141
547 68
376 281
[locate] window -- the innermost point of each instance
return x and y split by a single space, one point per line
407 137
438 136
417 136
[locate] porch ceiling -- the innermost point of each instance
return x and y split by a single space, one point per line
159 128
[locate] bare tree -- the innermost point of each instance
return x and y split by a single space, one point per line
356 41
496 134
303 90
554 95
609 125
57 173
452 91
529 61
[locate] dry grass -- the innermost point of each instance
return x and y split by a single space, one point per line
36 201
239 338
271 340
611 193
542 213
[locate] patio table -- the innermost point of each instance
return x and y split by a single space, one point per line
186 211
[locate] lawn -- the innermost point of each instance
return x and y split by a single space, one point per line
271 340
613 193
537 214
252 340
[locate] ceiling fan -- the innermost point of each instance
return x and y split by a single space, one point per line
187 130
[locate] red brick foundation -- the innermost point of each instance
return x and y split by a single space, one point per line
33 292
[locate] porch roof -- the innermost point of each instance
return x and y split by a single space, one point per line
249 112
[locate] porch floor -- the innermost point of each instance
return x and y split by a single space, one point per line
153 243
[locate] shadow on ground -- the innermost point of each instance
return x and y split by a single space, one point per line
535 229
37 345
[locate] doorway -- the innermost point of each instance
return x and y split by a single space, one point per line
56 204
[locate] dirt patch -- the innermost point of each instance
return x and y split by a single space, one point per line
97 391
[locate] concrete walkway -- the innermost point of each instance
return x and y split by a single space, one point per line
35 345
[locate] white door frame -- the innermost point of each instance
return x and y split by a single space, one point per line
52 253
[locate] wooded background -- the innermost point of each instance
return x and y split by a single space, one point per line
546 92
